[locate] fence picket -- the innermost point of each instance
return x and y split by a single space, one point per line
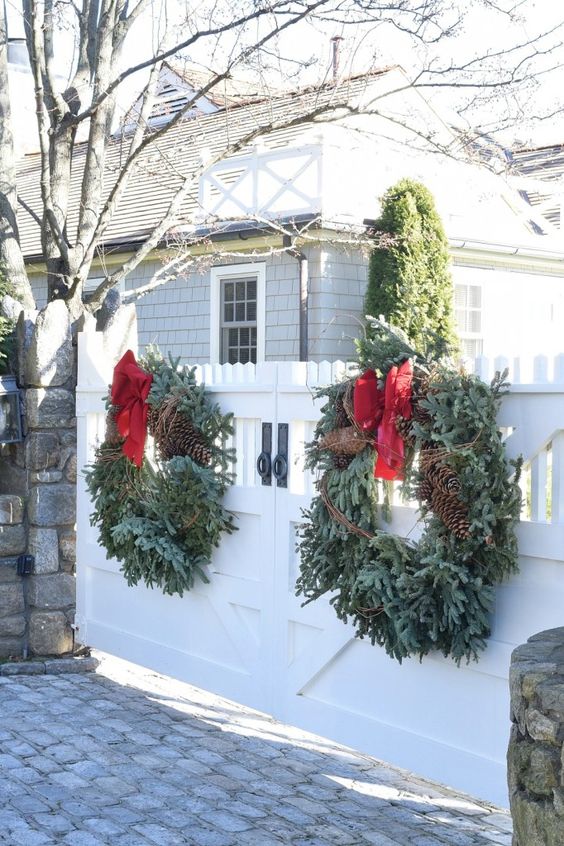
557 499
541 369
539 468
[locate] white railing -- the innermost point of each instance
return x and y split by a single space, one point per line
266 184
521 370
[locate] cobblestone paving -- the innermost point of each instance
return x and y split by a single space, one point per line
128 758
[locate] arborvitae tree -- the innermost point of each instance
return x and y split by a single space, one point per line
409 282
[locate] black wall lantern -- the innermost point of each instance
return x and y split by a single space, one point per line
10 411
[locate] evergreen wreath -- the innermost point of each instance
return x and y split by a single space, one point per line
163 518
437 594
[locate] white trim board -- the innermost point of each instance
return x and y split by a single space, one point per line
237 271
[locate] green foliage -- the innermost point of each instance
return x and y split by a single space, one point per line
163 520
170 380
409 282
438 594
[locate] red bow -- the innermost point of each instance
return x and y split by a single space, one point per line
377 410
390 461
368 401
130 389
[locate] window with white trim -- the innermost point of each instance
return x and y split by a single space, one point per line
238 331
468 314
237 313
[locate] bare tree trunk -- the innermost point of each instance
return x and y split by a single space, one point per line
11 258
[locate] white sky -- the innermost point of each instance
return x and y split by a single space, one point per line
481 31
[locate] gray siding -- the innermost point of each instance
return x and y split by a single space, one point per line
282 308
176 316
337 287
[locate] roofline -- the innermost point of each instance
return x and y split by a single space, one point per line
248 229
505 249
245 104
538 149
226 231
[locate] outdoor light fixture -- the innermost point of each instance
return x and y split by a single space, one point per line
10 411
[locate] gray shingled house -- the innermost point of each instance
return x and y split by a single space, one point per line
275 233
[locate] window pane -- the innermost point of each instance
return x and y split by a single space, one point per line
460 296
475 321
475 296
239 321
472 348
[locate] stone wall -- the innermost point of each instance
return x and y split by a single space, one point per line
37 506
12 605
536 755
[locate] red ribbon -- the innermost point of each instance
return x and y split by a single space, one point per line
130 389
391 454
377 411
368 401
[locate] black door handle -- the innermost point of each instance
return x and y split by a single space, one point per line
264 467
280 463
280 469
264 461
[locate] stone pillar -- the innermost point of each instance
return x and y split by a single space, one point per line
37 612
535 757
49 376
12 605
43 472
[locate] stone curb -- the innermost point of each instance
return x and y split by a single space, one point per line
51 666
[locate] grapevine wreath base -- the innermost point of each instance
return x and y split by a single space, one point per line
434 428
161 518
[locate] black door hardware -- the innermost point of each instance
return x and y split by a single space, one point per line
264 461
280 463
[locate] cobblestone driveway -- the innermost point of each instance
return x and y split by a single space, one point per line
128 758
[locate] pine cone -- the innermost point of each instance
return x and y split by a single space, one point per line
342 419
427 457
341 461
421 415
112 434
344 441
404 429
180 437
425 491
452 512
341 416
443 478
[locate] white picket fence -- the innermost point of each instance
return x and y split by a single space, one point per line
245 635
